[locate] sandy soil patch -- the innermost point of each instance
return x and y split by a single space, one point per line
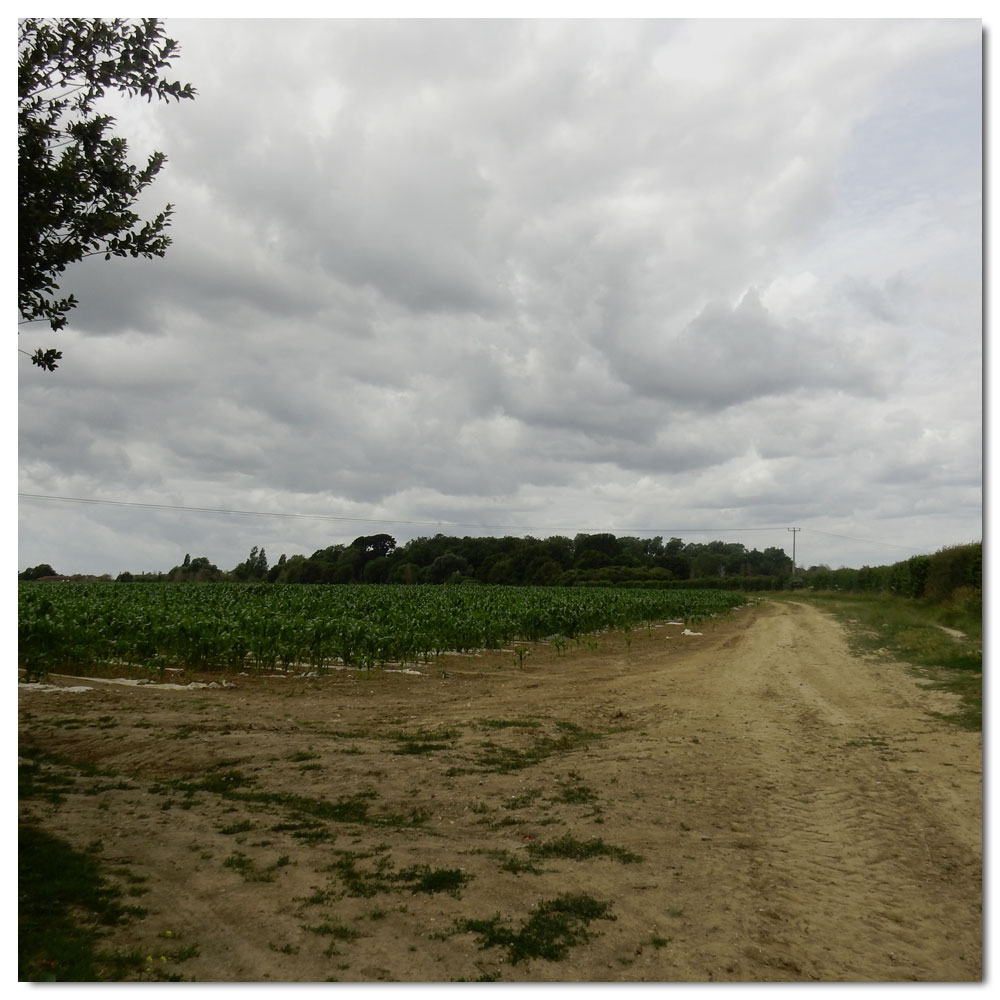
760 805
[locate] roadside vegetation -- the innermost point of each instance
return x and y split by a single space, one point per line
948 656
530 824
926 611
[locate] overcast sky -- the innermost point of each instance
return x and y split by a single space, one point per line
711 279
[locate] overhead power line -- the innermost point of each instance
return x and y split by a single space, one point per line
869 541
376 520
446 524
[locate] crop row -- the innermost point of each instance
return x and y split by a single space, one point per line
232 626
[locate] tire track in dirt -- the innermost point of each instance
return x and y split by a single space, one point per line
857 876
799 813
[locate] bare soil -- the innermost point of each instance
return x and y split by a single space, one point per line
800 812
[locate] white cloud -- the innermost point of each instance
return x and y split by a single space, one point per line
584 273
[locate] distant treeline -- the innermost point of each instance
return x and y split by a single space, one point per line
594 560
586 560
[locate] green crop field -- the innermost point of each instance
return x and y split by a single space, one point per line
227 626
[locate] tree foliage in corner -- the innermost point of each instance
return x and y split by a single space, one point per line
76 186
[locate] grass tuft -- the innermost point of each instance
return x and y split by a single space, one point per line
569 846
555 926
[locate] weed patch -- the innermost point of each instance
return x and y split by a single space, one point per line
347 809
569 847
358 881
337 931
503 760
555 926
408 746
382 878
523 800
576 794
425 741
423 878
242 827
511 862
526 723
308 831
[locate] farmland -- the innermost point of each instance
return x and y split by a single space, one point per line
745 800
257 627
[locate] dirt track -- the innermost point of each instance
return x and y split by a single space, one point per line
800 814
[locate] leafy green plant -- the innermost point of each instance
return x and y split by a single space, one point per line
510 724
553 928
381 876
511 862
242 827
239 626
569 846
576 794
337 931
423 878
493 757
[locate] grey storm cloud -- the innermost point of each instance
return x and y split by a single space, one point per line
570 273
727 356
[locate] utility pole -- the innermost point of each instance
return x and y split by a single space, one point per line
793 531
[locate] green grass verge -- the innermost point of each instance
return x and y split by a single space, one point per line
914 632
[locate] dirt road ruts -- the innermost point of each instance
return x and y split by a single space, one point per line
800 813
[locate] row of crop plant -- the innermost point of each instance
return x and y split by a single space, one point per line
72 626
